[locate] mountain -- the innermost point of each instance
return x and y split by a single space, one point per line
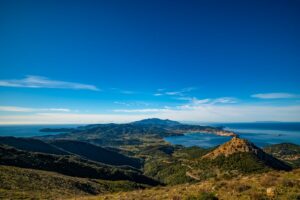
241 150
69 165
30 144
156 122
112 134
96 153
131 134
235 145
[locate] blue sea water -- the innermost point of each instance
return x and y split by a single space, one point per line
29 130
261 134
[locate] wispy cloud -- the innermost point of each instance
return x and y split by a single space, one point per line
225 100
201 113
132 103
122 91
70 118
26 109
44 82
194 102
182 92
279 95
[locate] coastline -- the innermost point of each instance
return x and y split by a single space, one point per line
215 132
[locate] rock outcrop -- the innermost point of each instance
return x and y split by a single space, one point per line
233 146
241 146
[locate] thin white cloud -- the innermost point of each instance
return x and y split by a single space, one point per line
122 103
44 82
182 92
279 95
225 100
70 118
26 109
174 93
195 102
201 113
132 103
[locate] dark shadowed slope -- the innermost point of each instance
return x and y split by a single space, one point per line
29 144
97 153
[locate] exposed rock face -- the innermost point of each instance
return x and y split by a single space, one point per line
238 145
233 146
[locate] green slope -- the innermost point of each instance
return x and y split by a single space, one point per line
287 152
69 165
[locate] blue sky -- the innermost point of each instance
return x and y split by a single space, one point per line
117 61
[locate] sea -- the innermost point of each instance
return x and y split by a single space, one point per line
260 133
30 130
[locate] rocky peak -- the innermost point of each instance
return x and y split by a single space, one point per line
233 146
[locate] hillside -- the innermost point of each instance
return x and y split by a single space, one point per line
30 144
272 185
240 148
287 152
20 183
96 153
69 165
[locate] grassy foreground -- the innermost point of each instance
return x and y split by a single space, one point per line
271 185
20 183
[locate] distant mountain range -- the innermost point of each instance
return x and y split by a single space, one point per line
156 122
114 134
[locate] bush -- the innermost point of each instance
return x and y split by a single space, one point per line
287 183
203 196
269 180
241 188
258 196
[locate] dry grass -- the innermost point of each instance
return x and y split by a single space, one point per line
284 185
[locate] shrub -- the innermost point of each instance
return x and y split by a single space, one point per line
241 188
258 196
203 196
287 183
269 181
